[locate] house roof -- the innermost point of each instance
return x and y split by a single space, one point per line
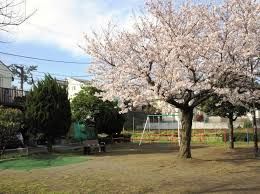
62 82
5 67
82 80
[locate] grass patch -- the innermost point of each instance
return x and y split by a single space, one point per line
41 161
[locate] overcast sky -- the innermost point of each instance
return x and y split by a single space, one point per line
63 22
58 26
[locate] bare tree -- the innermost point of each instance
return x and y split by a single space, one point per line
12 13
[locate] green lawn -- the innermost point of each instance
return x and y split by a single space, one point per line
41 161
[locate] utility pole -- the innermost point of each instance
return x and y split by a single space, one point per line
21 67
133 123
24 73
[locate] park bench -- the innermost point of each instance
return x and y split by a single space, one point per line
93 146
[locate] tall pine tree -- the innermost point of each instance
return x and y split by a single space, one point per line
48 109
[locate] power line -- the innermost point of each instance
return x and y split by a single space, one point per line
44 59
62 74
54 74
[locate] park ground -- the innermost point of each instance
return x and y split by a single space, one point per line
151 168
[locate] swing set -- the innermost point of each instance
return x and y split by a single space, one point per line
157 128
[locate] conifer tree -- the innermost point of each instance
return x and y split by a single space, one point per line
48 109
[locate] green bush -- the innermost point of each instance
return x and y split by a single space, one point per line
11 118
11 121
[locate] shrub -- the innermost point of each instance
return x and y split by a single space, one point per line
11 121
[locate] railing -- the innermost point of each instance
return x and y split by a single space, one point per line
11 97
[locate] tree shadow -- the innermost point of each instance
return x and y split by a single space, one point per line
237 156
223 188
43 156
134 148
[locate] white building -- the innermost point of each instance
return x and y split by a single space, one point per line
75 85
211 123
6 76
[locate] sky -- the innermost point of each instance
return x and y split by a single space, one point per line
56 29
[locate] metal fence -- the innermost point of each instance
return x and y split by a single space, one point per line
9 96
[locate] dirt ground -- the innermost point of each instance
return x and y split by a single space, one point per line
155 168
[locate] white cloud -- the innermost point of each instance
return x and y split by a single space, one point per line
63 22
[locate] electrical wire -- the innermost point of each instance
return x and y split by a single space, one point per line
54 74
43 59
63 74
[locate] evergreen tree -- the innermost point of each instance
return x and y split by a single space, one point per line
87 107
216 106
108 120
48 109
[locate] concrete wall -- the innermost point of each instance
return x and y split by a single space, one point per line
195 125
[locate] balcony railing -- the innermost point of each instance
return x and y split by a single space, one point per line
11 97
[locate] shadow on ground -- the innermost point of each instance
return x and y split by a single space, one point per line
237 156
134 148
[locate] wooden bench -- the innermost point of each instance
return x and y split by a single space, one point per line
93 146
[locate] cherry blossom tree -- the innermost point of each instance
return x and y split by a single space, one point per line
172 54
238 43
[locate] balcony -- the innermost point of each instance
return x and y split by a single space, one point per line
12 97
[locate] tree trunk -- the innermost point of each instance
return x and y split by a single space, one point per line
231 132
186 121
255 133
49 144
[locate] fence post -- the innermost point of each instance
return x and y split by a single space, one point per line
133 123
225 135
247 136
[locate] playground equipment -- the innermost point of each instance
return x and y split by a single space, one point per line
161 123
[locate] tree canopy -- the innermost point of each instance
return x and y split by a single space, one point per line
177 54
87 107
11 14
24 72
48 109
217 106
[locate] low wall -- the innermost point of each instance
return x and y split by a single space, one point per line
195 125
